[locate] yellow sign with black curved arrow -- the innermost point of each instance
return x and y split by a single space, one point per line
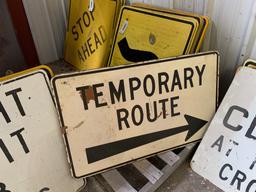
146 33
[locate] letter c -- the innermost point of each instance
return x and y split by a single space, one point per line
229 113
250 185
222 169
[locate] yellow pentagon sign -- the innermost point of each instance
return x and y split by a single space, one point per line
89 33
144 34
43 67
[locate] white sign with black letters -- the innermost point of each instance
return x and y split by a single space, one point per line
227 153
32 152
115 115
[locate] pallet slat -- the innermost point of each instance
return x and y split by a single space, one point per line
169 157
117 181
133 176
148 170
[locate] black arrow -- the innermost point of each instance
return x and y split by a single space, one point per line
134 55
107 150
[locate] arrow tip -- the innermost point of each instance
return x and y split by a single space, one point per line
194 125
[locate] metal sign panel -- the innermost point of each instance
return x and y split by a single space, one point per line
203 23
226 155
33 156
43 67
144 34
115 115
90 31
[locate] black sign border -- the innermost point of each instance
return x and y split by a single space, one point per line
250 62
53 83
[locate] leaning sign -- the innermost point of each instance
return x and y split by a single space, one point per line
112 116
32 153
227 155
90 29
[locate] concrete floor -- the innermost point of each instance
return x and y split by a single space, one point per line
186 180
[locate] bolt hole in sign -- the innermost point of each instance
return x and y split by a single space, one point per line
115 115
32 153
227 155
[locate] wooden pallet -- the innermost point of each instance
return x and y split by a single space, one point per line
144 175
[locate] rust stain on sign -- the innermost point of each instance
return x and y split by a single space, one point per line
89 95
63 129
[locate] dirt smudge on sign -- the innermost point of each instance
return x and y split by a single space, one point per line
63 130
78 125
160 114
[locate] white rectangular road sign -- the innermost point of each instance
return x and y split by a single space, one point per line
115 115
32 152
227 153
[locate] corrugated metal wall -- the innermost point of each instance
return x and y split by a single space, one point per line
232 33
230 20
196 6
47 20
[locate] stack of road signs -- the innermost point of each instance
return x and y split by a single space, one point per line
42 67
147 33
113 116
202 20
33 156
226 156
90 31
